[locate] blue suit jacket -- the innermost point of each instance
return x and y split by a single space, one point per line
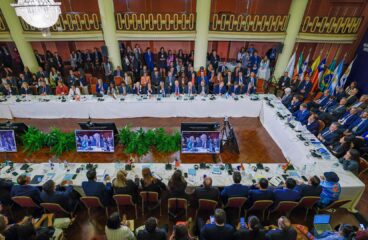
234 190
186 90
331 137
294 106
199 79
179 89
256 195
286 100
350 120
236 91
323 100
286 195
306 86
361 129
148 58
97 189
301 116
313 127
60 197
217 90
26 190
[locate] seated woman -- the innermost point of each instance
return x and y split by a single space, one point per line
177 185
112 89
122 185
346 232
101 87
150 183
61 89
254 231
74 91
116 229
124 89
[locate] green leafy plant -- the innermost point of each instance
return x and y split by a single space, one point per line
60 142
33 140
167 143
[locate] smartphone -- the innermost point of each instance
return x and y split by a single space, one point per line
185 174
212 219
305 179
362 226
242 222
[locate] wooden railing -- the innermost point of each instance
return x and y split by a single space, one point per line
331 25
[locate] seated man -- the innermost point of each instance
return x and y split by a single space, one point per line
220 89
97 189
203 88
350 161
234 190
190 89
44 89
261 192
359 126
206 192
331 102
305 87
288 193
163 90
334 113
313 124
235 89
320 102
362 103
176 88
348 118
251 86
329 135
302 114
312 189
24 189
295 103
151 231
124 89
54 194
286 99
340 148
218 229
284 231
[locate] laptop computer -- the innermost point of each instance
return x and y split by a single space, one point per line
321 223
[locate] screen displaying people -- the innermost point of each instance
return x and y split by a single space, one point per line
7 141
200 142
94 140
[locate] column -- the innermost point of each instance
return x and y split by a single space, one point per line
16 32
296 14
107 14
202 26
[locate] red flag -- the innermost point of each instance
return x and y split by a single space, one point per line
314 80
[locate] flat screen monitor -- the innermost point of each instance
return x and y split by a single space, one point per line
95 141
19 128
199 126
200 142
7 141
98 126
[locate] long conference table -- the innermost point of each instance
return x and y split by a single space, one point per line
268 108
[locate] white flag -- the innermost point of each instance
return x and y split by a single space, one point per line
290 67
344 77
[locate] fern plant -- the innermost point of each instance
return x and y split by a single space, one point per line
60 142
33 140
167 143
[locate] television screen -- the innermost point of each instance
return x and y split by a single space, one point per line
94 140
7 141
200 142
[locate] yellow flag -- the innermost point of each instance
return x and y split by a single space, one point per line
315 63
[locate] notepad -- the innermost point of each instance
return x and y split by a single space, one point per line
192 172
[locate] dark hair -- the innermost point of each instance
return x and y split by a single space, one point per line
26 231
255 225
22 179
315 181
237 177
181 232
48 186
220 216
176 180
354 154
347 230
113 222
91 174
150 224
263 182
290 183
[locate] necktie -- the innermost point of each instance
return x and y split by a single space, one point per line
345 119
357 126
326 133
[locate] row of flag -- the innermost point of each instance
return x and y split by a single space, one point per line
322 77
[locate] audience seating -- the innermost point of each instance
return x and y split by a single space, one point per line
56 209
261 205
25 202
177 204
206 205
322 125
93 88
93 202
285 207
236 202
363 167
149 198
124 200
333 206
308 203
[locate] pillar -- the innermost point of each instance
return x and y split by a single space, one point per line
107 14
296 15
202 27
16 32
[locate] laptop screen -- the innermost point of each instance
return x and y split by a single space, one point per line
322 219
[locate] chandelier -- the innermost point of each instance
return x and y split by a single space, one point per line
38 13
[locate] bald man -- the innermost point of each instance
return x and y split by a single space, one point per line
206 191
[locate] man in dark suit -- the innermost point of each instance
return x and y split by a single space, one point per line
330 134
203 88
286 99
148 59
163 90
284 81
5 188
350 161
190 89
331 102
71 79
118 72
97 189
24 189
352 98
155 78
348 118
151 231
305 87
302 114
54 194
359 126
241 79
295 103
176 88
9 90
286 194
220 89
206 192
44 89
334 113
312 189
170 80
313 124
260 192
320 102
219 229
235 89
234 190
362 103
201 77
58 62
96 57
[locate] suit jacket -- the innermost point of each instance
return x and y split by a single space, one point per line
175 89
26 190
167 81
243 80
257 194
200 89
155 80
284 82
211 193
186 90
329 105
234 190
148 58
60 197
337 112
5 188
97 56
97 189
218 90
306 86
351 100
199 79
128 90
236 91
294 106
46 90
286 100
330 137
10 92
313 127
285 195
301 116
307 190
358 127
118 73
27 91
348 119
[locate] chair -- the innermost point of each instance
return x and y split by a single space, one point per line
363 167
25 202
88 77
123 200
285 207
93 202
261 205
206 205
149 197
308 203
93 80
236 202
334 206
117 80
56 209
322 125
176 204
93 88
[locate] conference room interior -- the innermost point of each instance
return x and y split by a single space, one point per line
260 134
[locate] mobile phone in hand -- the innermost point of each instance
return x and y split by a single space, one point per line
242 222
212 219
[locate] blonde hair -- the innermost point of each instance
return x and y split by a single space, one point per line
121 179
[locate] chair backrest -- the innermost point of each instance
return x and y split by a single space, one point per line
93 80
363 167
54 208
149 196
322 125
285 206
123 200
205 204
337 204
117 80
177 203
236 202
25 202
91 202
93 88
308 202
261 205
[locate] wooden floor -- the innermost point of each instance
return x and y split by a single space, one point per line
256 145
